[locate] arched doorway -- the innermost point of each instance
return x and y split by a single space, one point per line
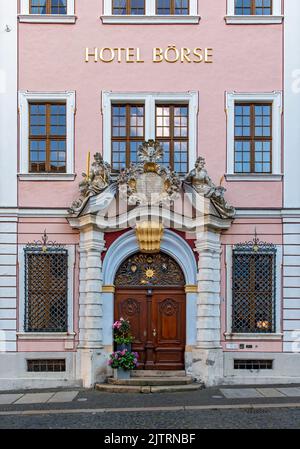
150 293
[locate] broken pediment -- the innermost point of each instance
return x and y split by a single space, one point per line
146 184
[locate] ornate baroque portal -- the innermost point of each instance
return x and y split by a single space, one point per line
150 202
150 293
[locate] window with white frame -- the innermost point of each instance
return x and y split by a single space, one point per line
253 7
48 11
254 11
48 6
46 135
253 136
129 119
150 11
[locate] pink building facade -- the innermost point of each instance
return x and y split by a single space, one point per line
210 278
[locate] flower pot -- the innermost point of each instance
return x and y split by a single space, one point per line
121 374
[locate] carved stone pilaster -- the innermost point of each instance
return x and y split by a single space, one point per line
90 304
209 286
208 357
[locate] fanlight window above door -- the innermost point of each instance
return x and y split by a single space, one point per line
146 270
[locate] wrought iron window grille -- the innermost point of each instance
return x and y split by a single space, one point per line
254 287
46 286
253 364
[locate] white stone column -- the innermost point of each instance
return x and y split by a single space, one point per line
90 348
208 354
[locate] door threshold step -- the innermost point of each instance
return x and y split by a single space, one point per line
148 389
151 381
157 373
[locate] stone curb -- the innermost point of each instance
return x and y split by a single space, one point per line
151 409
111 388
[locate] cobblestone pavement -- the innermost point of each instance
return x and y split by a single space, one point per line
209 419
273 406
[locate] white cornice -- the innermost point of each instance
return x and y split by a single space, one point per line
49 18
253 177
253 20
157 19
46 176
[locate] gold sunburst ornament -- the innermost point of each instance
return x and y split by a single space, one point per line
149 273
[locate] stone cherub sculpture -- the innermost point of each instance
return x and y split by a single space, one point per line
202 183
93 183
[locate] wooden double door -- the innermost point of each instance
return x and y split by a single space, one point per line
158 321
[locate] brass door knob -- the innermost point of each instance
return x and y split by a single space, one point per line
154 332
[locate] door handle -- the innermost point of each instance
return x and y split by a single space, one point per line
154 332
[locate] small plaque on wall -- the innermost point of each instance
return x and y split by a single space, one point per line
232 346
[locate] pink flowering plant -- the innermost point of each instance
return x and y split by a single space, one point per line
125 359
122 331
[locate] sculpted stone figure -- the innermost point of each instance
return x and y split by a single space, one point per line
93 183
202 183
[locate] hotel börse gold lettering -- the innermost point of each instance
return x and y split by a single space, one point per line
171 55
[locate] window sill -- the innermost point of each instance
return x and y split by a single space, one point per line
114 19
253 20
275 336
46 176
255 177
46 335
49 18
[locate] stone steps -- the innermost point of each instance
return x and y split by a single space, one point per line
111 388
152 381
157 373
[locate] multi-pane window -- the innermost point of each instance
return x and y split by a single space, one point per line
46 290
128 7
253 292
128 133
253 7
172 7
172 132
48 6
47 137
253 138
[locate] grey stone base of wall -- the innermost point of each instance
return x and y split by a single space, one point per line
87 367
